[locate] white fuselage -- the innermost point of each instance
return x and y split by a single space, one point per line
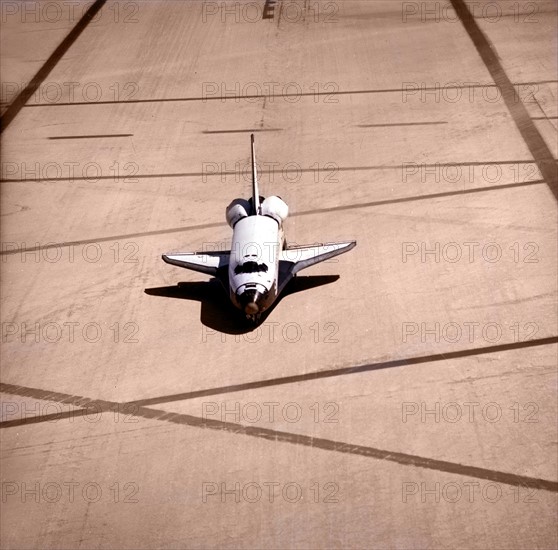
254 262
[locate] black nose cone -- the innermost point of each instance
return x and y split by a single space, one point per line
251 301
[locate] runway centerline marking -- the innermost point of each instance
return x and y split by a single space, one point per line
93 136
248 131
386 125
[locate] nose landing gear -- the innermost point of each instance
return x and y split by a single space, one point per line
251 302
254 318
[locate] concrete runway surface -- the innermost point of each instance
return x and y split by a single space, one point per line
401 396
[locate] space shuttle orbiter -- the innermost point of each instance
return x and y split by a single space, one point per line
259 265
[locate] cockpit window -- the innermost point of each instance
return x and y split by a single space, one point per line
250 267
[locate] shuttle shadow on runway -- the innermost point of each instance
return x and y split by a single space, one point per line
218 313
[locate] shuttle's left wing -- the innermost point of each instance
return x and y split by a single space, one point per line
305 256
295 258
203 262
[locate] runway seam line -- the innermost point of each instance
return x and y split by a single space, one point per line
297 170
21 99
526 127
273 96
284 437
355 369
297 378
49 245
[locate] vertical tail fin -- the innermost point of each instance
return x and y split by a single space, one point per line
255 191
